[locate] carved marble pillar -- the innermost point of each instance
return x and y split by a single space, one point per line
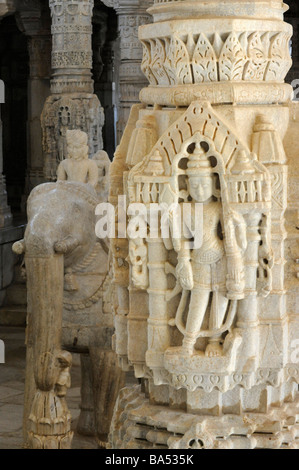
38 91
131 15
33 19
131 79
218 323
292 17
107 93
5 215
103 39
72 103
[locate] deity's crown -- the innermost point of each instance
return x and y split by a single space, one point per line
199 163
77 137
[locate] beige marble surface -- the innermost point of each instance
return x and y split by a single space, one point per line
12 382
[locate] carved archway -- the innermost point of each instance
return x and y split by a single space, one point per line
199 118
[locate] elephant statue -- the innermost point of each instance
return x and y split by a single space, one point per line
66 267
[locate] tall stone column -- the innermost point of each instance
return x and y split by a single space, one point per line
131 15
5 214
104 38
72 103
33 20
38 92
8 232
6 8
216 343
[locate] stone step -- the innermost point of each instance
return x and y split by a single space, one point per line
13 315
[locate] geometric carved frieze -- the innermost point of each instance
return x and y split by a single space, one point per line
224 381
217 93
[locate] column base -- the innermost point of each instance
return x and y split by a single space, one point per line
137 424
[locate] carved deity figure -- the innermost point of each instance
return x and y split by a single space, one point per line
103 162
78 167
203 270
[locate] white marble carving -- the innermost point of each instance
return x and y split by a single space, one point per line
210 330
67 281
77 166
72 104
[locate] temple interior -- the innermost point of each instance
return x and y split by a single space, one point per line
82 66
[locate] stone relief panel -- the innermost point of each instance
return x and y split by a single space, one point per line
206 328
63 113
248 265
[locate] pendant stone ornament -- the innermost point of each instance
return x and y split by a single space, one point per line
210 329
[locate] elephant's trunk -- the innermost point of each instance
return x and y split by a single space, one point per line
66 245
49 419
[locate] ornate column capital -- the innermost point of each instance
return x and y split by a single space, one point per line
33 18
126 5
111 3
221 51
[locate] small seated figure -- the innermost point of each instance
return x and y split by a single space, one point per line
78 167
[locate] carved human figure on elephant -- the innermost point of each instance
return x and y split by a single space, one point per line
78 167
67 268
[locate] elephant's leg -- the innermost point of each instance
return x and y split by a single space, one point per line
30 390
86 422
108 379
49 421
